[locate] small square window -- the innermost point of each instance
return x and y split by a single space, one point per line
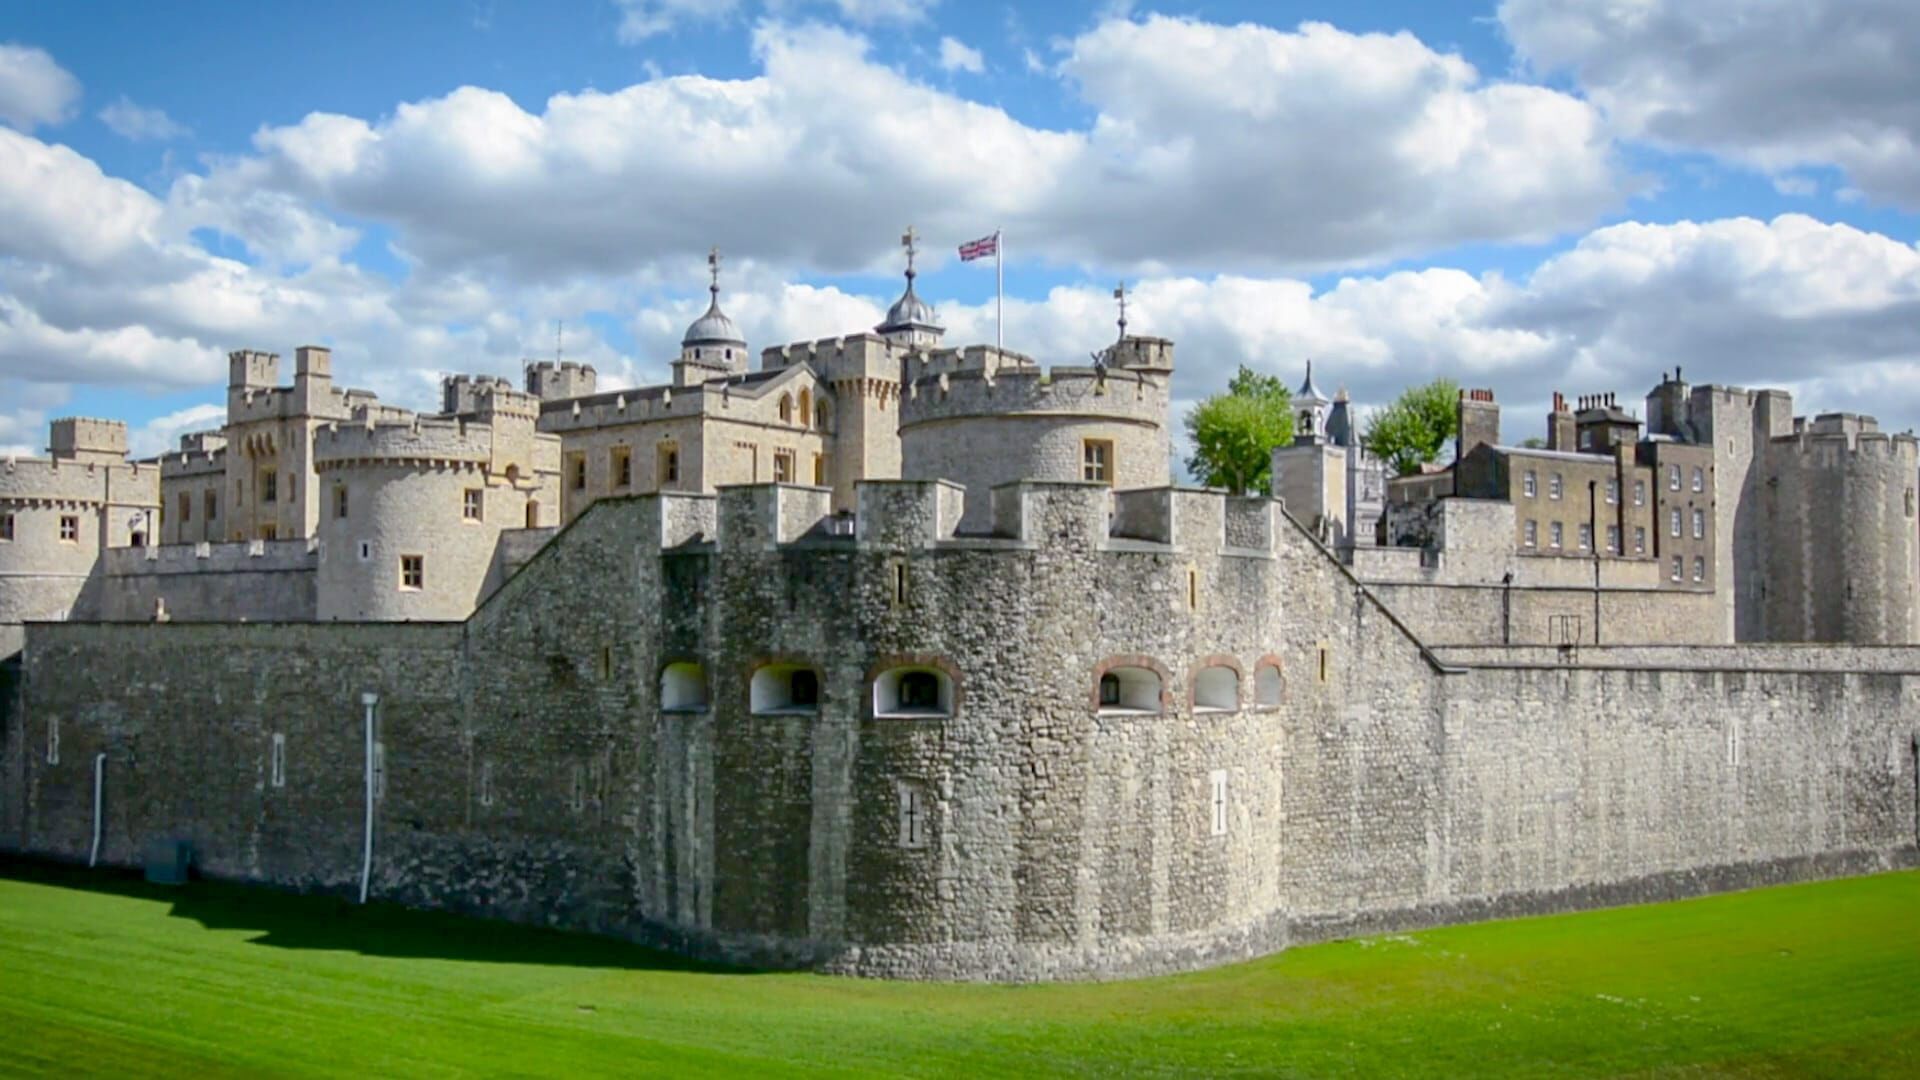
1096 461
70 528
470 504
413 571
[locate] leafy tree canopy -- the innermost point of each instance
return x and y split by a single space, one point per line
1233 434
1412 431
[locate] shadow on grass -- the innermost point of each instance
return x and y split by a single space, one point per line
294 921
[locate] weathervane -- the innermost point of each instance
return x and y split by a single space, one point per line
713 272
1120 294
907 241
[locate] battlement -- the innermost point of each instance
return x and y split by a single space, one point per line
200 453
209 558
897 515
252 369
1833 446
431 440
827 354
1137 351
460 394
549 380
1124 394
86 438
983 359
68 480
617 407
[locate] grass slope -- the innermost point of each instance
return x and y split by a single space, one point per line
100 973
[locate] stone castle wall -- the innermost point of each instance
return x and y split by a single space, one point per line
253 581
533 769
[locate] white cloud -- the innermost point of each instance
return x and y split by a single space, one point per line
1216 147
956 56
1773 85
140 123
860 12
162 433
34 90
643 19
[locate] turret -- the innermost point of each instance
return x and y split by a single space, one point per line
911 321
712 347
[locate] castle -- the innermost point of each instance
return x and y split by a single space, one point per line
989 698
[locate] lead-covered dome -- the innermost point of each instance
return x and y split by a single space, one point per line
714 327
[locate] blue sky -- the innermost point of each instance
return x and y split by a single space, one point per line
1571 195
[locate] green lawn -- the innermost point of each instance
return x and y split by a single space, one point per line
100 973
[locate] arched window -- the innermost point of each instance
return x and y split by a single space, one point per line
683 687
1130 690
786 409
785 689
912 692
806 407
1269 686
820 414
1216 690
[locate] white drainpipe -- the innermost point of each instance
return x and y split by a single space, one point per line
99 783
369 699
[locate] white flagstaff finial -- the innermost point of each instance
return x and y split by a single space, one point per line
1120 294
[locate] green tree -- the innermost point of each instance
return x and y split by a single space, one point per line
1411 432
1233 434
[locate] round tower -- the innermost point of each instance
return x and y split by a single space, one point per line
411 513
980 418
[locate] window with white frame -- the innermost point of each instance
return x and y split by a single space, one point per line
1673 478
1699 478
278 769
1639 539
1677 567
1533 533
1699 524
1613 490
1217 799
1639 493
1531 483
1613 539
1699 568
1557 534
1586 537
1673 521
70 528
471 504
1555 486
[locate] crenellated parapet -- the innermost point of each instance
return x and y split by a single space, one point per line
423 441
990 386
66 482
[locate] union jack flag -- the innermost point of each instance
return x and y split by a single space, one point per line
981 248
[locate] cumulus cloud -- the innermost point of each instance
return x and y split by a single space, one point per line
1212 146
34 90
1773 85
956 56
140 123
162 433
643 19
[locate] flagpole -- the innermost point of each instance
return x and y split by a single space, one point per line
999 288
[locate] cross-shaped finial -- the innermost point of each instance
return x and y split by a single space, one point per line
713 270
907 240
1120 294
